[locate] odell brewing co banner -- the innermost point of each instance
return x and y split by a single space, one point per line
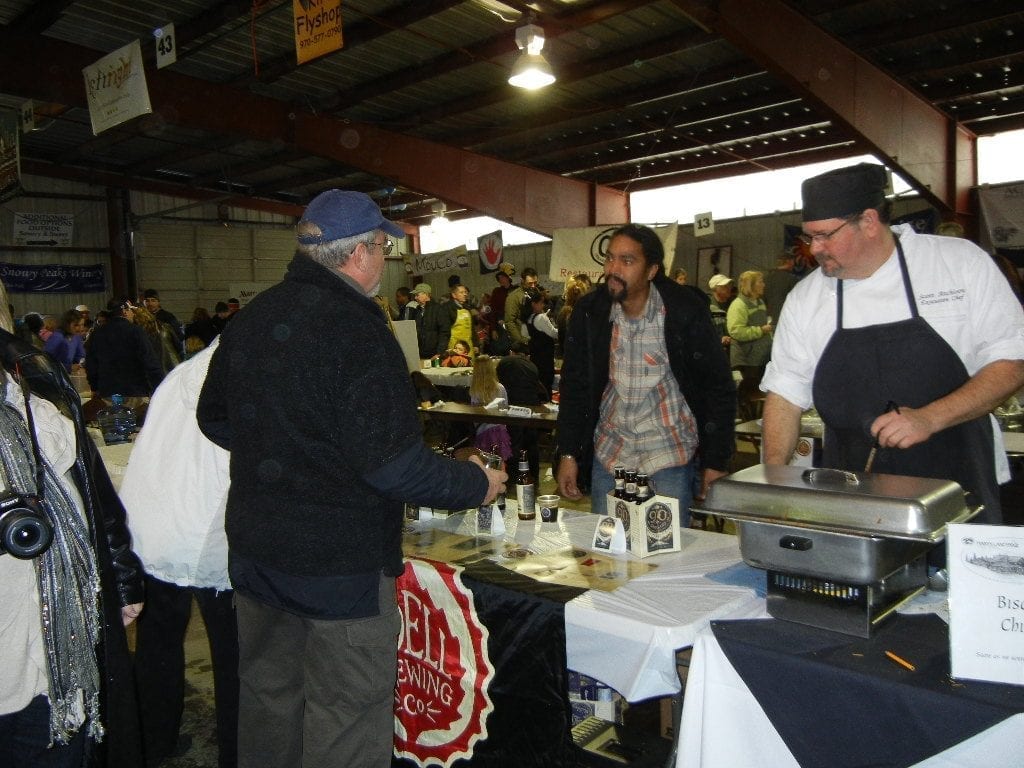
53 278
491 250
481 672
115 87
582 250
317 28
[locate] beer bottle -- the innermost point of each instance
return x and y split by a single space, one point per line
500 499
630 485
643 488
620 482
526 489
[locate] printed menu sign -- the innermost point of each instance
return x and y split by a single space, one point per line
986 602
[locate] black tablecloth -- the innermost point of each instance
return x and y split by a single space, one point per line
840 701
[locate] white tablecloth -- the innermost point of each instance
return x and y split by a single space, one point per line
628 638
449 377
115 458
723 726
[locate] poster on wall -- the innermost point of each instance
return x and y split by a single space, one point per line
713 261
245 292
49 230
491 252
53 278
10 165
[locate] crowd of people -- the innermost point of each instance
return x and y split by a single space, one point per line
283 513
129 346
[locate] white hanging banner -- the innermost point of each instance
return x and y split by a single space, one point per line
703 224
115 87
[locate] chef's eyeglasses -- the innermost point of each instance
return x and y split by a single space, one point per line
824 237
386 247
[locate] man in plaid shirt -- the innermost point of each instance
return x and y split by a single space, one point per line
645 383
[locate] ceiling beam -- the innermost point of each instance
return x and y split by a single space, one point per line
929 149
532 199
96 177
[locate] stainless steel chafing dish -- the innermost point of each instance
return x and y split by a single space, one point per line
843 550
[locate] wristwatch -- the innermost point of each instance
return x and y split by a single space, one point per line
567 456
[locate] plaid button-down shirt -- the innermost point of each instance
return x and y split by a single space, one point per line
645 421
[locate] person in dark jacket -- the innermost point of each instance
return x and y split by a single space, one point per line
542 334
119 358
67 698
310 392
432 324
645 382
151 300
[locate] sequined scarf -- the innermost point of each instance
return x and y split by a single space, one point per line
69 586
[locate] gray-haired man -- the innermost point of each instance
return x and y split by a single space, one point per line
310 393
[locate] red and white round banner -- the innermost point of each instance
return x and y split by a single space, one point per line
441 700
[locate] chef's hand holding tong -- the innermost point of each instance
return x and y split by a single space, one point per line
875 430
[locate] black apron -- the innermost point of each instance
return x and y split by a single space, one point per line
909 363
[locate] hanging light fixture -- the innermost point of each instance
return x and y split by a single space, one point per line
440 222
531 70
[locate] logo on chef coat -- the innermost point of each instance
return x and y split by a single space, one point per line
441 699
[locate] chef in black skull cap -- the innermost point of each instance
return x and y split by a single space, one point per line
903 340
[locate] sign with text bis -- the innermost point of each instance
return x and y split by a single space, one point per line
986 602
317 28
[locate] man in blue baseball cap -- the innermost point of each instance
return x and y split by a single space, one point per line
310 392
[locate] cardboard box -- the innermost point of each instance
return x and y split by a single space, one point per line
652 527
592 698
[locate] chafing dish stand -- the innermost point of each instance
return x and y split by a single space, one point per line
843 550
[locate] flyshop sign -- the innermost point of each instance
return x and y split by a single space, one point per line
53 278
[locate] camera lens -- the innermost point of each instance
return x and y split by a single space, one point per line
25 535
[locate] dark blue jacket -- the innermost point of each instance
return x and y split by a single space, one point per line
310 392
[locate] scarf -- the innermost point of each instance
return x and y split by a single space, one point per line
69 584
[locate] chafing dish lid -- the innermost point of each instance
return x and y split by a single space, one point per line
865 503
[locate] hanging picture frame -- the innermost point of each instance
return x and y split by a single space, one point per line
711 261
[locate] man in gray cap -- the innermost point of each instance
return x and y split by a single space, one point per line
309 391
900 340
432 323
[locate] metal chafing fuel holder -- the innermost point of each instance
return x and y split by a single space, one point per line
843 550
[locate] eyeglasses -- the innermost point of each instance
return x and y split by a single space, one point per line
824 237
386 247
